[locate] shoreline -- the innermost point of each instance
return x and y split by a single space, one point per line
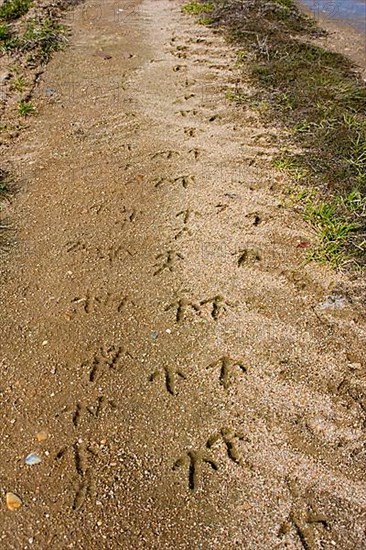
342 37
351 12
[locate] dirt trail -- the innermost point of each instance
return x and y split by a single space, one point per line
197 389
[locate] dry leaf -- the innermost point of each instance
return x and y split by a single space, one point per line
303 244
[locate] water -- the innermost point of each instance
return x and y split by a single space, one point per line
349 11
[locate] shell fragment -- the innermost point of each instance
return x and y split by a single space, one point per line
13 502
32 459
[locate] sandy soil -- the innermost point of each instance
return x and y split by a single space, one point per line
186 379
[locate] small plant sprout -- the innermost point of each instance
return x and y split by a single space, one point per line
26 108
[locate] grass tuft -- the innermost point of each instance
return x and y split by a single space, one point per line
198 8
13 9
334 231
26 108
18 83
42 38
4 33
8 41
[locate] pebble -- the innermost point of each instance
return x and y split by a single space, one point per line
42 435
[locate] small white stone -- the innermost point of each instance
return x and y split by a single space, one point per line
168 330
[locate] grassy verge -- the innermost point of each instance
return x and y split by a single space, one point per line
318 97
13 9
30 32
38 40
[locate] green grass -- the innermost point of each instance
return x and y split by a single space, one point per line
4 33
198 8
26 108
39 40
8 41
18 83
288 164
335 227
202 9
13 9
236 94
204 20
42 38
320 100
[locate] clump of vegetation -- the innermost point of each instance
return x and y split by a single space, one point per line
13 9
336 227
26 108
18 83
8 41
198 8
42 38
320 99
201 9
4 33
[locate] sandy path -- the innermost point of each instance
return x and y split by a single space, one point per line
157 319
